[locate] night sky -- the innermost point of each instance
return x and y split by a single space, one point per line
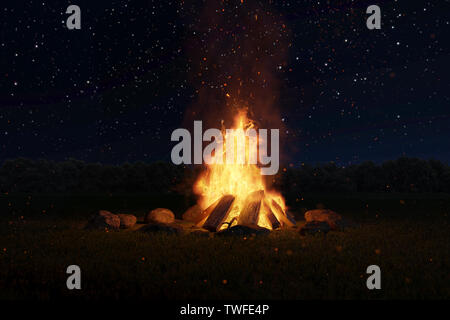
116 89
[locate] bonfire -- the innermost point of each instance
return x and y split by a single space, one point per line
233 192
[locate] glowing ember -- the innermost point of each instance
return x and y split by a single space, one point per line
234 191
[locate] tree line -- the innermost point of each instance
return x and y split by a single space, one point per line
401 175
74 176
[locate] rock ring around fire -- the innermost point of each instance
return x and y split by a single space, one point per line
106 220
323 221
160 215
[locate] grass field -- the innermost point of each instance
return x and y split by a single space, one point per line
406 235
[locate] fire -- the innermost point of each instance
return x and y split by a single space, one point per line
239 178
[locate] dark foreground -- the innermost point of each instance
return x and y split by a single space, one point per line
410 245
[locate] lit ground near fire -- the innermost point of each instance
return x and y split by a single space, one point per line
407 237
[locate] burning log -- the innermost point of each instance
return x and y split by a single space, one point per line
249 215
283 217
271 216
290 218
218 213
258 210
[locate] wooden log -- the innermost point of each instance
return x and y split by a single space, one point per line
291 218
271 216
205 213
285 219
219 213
249 214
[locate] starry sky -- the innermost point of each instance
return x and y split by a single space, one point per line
115 90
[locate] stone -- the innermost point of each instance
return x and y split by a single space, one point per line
323 215
240 230
104 220
160 215
161 228
194 214
126 220
315 227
